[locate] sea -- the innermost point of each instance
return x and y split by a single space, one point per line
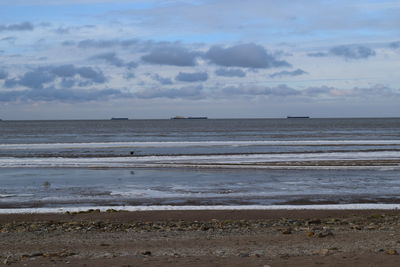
69 165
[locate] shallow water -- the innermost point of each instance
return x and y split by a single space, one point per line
103 163
58 187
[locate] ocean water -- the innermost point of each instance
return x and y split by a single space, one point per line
198 163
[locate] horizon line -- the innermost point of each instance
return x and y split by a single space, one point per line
208 118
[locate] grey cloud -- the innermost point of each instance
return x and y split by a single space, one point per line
91 43
112 59
67 30
8 38
313 92
230 72
24 26
63 70
61 30
62 95
45 24
91 74
189 92
171 55
192 77
162 80
283 90
316 91
37 78
375 90
131 65
129 75
10 83
3 74
244 55
70 70
317 54
394 45
360 92
68 43
288 73
347 52
67 83
280 91
137 44
352 51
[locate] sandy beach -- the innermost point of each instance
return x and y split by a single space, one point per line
202 238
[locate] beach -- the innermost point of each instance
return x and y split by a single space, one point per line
202 238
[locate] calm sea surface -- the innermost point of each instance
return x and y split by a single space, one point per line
199 162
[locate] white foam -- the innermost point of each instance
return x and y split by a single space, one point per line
220 207
197 144
194 160
6 195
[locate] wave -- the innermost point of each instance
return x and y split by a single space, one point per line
199 144
202 160
220 207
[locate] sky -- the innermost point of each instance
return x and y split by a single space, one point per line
97 59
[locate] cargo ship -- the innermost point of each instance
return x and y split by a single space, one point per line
188 118
297 117
119 119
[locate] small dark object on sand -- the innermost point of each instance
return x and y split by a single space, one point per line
146 253
132 152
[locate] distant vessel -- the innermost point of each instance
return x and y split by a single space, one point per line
188 118
178 118
119 119
297 117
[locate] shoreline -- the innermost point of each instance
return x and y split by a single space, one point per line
215 208
98 163
192 215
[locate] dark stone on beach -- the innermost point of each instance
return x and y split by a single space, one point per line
204 227
285 256
111 210
7 260
376 216
146 253
46 184
314 221
325 234
33 255
325 252
392 252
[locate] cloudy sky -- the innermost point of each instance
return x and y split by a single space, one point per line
94 59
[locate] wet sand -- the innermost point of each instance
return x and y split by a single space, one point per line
202 238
